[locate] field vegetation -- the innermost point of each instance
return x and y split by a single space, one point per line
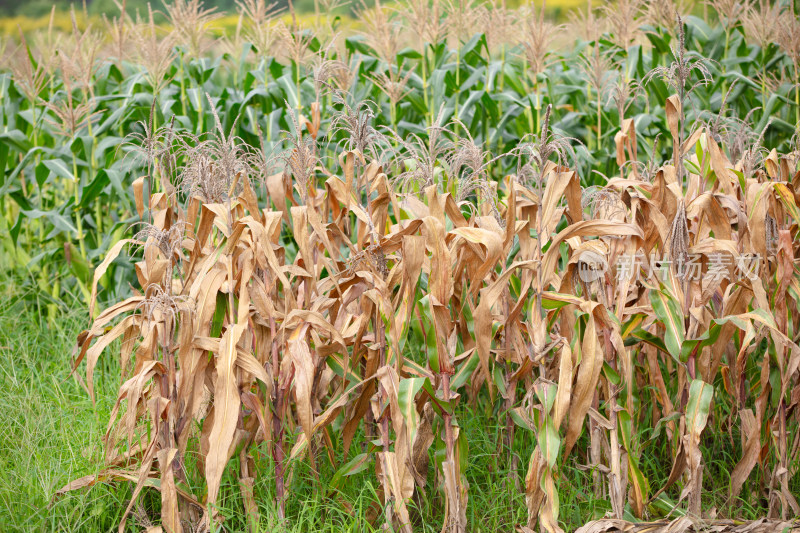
456 267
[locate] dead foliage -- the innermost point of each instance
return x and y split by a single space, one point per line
284 311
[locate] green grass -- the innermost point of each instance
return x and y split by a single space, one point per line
52 434
50 431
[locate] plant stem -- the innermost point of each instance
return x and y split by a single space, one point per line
722 64
763 81
458 86
277 426
35 134
501 85
297 84
537 103
450 456
183 83
599 121
429 113
796 97
78 218
393 117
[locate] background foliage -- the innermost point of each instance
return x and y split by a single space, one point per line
375 231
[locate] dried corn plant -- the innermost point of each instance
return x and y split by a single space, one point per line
261 307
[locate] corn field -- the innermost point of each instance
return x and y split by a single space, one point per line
315 246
